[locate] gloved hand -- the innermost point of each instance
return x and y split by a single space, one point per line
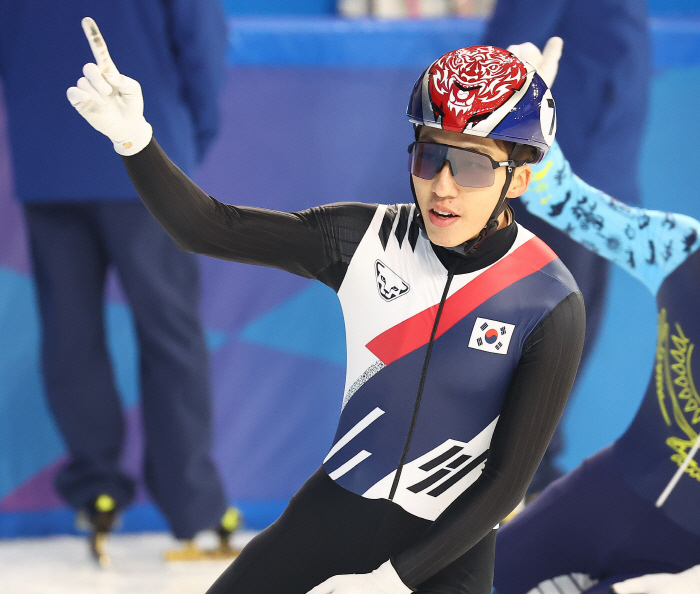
686 582
383 580
111 102
545 62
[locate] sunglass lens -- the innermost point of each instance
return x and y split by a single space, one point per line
471 170
426 158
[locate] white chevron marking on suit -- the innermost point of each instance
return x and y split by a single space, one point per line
363 424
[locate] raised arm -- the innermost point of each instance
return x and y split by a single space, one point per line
649 244
316 243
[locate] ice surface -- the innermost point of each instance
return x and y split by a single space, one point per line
61 565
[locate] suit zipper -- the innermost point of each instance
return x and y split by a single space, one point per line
424 372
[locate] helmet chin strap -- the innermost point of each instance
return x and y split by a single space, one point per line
491 226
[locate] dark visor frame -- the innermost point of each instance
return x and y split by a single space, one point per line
470 168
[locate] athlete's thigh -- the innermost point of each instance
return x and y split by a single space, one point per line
325 531
564 530
652 543
472 573
276 561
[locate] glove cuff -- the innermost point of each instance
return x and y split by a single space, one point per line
387 580
137 142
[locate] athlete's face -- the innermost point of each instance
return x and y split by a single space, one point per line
452 213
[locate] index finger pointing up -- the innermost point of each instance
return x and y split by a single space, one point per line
98 46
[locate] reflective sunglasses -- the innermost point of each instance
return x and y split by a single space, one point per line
470 168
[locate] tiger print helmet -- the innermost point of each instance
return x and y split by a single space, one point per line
485 91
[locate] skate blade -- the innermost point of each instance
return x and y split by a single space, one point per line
191 552
98 550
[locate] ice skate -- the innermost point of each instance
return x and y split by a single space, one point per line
192 551
98 549
99 519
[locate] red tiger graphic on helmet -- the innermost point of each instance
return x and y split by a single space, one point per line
466 85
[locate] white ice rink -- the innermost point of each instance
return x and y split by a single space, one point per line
61 565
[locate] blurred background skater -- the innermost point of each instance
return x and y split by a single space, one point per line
602 92
84 217
628 517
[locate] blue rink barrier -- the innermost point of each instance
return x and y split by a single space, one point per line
328 41
141 517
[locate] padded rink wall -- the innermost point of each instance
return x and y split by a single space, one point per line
292 138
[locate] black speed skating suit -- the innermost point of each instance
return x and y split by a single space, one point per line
418 475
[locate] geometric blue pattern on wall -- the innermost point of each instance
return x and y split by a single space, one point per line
309 323
667 178
26 426
609 392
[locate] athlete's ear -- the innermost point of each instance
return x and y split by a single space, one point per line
520 181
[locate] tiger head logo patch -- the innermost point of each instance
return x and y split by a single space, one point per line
390 285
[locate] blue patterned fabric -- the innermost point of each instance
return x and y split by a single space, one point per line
649 244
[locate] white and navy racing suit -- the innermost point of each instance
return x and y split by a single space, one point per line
431 452
600 524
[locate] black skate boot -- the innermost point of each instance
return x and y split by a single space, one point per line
99 518
231 521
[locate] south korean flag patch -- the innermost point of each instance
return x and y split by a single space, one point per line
491 336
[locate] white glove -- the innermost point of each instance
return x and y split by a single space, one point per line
686 582
111 102
383 580
545 62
